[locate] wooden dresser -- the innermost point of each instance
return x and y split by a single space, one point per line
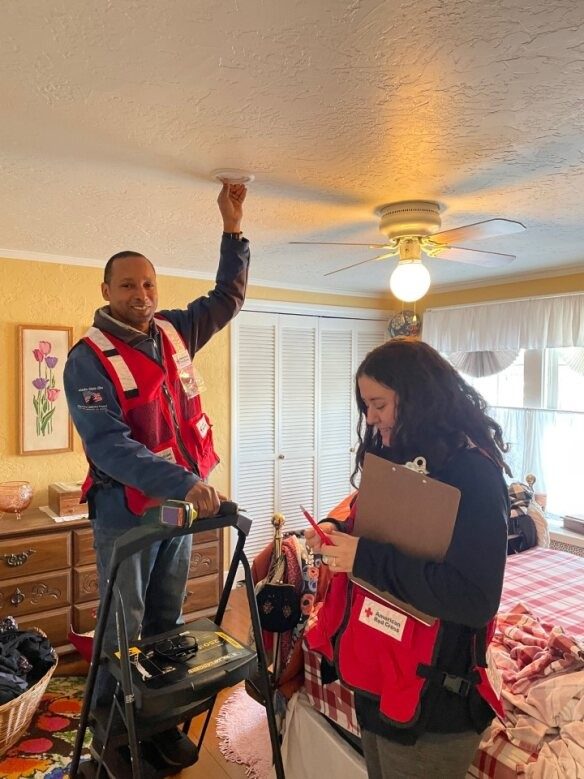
48 577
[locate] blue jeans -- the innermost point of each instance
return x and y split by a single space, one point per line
152 582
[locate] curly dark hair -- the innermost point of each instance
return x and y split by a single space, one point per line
437 411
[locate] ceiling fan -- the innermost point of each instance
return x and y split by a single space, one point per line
411 227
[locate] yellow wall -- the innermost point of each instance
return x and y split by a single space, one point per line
52 294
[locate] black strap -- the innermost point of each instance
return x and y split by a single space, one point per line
459 685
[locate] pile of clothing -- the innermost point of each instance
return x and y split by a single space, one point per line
526 518
25 657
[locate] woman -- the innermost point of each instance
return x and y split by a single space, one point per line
412 403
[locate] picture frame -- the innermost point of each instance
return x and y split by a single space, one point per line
45 425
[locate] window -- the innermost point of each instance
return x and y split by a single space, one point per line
564 370
539 403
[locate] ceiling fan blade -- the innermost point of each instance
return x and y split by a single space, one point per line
356 264
337 243
475 232
473 256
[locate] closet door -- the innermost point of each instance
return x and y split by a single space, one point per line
296 471
335 417
254 423
343 345
294 417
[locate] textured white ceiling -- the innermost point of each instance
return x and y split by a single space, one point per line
114 113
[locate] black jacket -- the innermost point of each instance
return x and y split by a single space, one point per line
463 591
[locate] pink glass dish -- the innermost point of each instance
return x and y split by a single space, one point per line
15 497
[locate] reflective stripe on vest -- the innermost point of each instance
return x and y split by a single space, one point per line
127 381
170 331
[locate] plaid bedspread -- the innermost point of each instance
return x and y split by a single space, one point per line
549 583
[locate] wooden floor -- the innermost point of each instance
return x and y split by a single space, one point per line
211 764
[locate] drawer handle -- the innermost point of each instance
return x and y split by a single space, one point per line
43 590
17 558
199 561
17 598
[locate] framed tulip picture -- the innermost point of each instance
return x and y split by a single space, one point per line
45 424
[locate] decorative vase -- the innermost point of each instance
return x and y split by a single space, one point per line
15 497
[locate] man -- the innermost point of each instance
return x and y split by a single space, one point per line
134 399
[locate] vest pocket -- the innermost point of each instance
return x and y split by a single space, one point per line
379 652
203 436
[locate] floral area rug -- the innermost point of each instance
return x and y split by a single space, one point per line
45 750
244 738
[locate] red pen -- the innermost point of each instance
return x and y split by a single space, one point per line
321 534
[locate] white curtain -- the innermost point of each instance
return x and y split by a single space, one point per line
575 359
532 323
480 364
540 439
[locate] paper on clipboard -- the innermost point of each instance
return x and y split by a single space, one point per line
408 509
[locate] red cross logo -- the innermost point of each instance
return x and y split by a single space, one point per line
368 612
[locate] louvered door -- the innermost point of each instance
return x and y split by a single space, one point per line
335 418
294 417
254 423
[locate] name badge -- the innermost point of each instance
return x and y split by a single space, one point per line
383 618
203 427
166 454
186 373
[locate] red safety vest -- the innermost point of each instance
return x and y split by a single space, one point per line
380 650
155 406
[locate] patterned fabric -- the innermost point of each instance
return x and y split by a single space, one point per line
519 497
524 508
44 752
550 584
333 700
535 649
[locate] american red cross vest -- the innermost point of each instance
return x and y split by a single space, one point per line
155 406
380 650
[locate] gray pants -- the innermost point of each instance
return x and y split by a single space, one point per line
440 755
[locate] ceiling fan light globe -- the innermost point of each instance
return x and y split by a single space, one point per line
409 281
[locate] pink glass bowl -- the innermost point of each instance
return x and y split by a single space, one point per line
15 497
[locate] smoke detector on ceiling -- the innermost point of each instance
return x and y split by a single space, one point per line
232 176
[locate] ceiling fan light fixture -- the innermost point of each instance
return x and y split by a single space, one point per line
410 280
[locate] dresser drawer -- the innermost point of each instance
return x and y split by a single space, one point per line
83 551
85 617
85 584
34 554
55 624
32 594
204 560
208 535
201 593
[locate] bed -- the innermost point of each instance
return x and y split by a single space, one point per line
543 591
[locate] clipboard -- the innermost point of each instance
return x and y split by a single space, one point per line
404 507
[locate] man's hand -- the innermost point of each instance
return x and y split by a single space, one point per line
204 498
230 202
